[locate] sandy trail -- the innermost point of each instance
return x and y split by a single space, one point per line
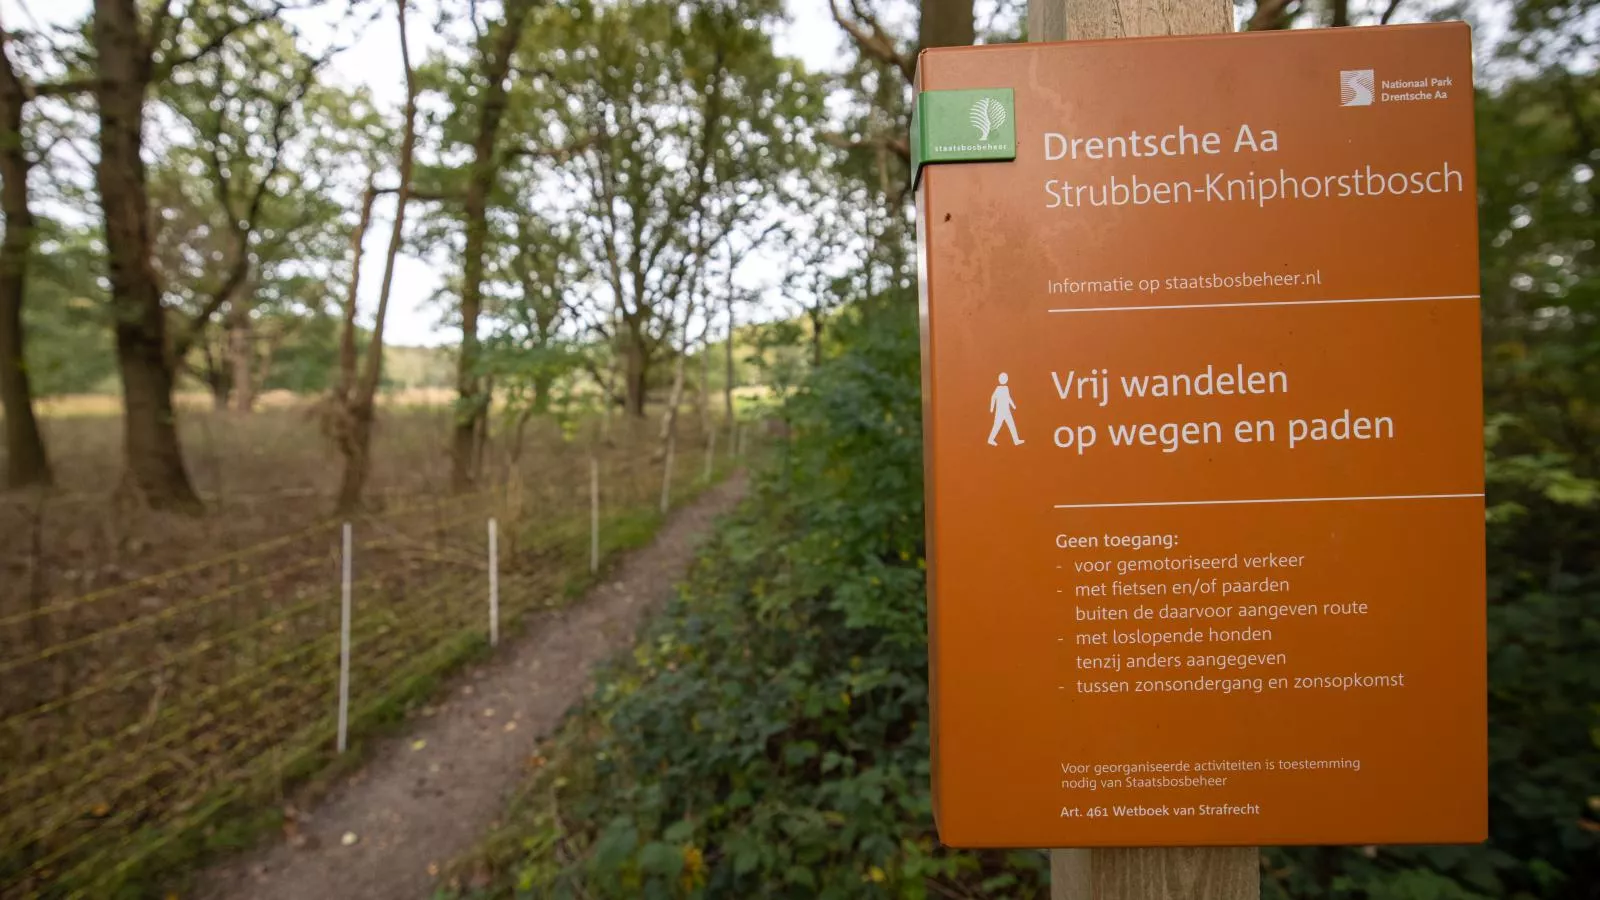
429 794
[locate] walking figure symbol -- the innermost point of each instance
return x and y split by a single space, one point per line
1001 404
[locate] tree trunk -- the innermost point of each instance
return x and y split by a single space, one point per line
609 376
358 447
26 462
266 353
357 464
703 401
635 372
150 434
480 441
669 419
241 358
818 323
542 382
471 406
345 384
518 429
215 375
220 395
727 387
945 23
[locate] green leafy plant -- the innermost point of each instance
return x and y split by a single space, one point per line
768 737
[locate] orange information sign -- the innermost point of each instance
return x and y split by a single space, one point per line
1204 440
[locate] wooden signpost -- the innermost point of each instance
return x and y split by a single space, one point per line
1224 873
1203 438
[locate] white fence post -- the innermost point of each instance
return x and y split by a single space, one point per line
344 643
594 514
494 583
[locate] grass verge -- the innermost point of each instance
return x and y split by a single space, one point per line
150 859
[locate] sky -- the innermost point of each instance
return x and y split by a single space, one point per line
373 60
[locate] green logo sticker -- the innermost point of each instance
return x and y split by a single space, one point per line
963 126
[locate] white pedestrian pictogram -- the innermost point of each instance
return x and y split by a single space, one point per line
1001 404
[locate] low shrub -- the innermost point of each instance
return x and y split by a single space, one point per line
768 737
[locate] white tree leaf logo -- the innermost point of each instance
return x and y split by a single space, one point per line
987 115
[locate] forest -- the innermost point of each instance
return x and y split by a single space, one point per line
565 266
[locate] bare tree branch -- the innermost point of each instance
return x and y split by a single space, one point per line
870 36
216 42
894 143
1571 103
242 227
1270 15
67 88
560 154
31 91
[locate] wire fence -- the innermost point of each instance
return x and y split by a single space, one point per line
138 719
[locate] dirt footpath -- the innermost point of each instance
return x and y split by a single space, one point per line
429 795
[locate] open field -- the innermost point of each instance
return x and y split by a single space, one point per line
75 405
163 678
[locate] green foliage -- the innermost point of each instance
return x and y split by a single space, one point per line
304 361
771 728
65 319
1541 310
529 355
682 122
778 355
768 737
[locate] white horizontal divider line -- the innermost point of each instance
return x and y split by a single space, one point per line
1089 309
1271 500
